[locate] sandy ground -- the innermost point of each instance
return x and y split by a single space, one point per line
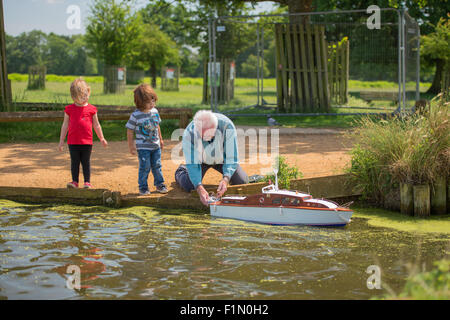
314 152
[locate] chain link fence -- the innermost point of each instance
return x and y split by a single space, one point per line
317 63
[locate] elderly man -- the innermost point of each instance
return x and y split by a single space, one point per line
209 141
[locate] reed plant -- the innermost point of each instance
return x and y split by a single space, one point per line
414 149
427 155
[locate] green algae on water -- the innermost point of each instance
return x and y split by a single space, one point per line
395 220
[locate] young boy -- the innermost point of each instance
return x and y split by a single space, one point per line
79 118
144 122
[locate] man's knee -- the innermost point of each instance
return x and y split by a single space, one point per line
183 180
239 177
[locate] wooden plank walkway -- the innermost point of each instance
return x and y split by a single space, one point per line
331 187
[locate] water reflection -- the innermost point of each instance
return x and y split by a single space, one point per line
143 253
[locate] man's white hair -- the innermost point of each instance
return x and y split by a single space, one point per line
205 119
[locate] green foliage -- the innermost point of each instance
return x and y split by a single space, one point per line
62 55
113 130
112 31
27 49
285 174
153 47
436 45
249 67
414 150
427 153
432 285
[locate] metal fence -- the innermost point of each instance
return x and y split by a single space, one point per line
382 71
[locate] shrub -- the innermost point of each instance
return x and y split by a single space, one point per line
285 173
434 285
426 156
412 150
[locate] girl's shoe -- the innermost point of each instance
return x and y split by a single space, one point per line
87 185
144 193
72 184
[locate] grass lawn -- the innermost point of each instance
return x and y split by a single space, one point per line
189 96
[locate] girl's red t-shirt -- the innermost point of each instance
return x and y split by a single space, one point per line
80 123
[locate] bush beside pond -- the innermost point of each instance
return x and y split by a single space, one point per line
413 149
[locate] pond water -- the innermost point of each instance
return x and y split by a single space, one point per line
144 253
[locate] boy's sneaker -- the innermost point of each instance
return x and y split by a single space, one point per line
72 184
162 189
144 193
87 185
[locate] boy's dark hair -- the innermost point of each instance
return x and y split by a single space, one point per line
143 95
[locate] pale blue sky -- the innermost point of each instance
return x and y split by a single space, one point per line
51 15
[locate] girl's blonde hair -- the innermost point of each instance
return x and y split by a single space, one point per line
80 91
143 95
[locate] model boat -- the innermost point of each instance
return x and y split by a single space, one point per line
281 207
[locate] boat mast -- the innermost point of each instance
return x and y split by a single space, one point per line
275 170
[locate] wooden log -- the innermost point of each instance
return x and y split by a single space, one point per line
312 69
318 62
184 202
298 75
421 200
331 67
406 199
448 197
290 61
324 56
278 68
42 116
438 197
184 120
51 195
305 69
5 89
284 66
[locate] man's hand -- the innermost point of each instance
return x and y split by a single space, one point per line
204 196
222 187
61 146
132 150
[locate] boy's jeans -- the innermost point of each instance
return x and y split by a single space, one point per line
149 159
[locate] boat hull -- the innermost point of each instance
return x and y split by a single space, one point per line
283 215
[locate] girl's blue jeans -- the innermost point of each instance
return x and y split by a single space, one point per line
149 160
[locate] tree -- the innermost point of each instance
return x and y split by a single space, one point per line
25 50
112 31
153 51
436 47
249 67
80 62
57 54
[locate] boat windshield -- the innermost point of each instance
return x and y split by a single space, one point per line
269 188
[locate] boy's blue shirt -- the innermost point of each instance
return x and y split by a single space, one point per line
222 149
145 125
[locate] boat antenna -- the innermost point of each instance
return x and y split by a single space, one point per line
275 170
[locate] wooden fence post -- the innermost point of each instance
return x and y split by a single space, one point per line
5 85
302 70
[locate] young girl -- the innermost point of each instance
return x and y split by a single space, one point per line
78 120
144 122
